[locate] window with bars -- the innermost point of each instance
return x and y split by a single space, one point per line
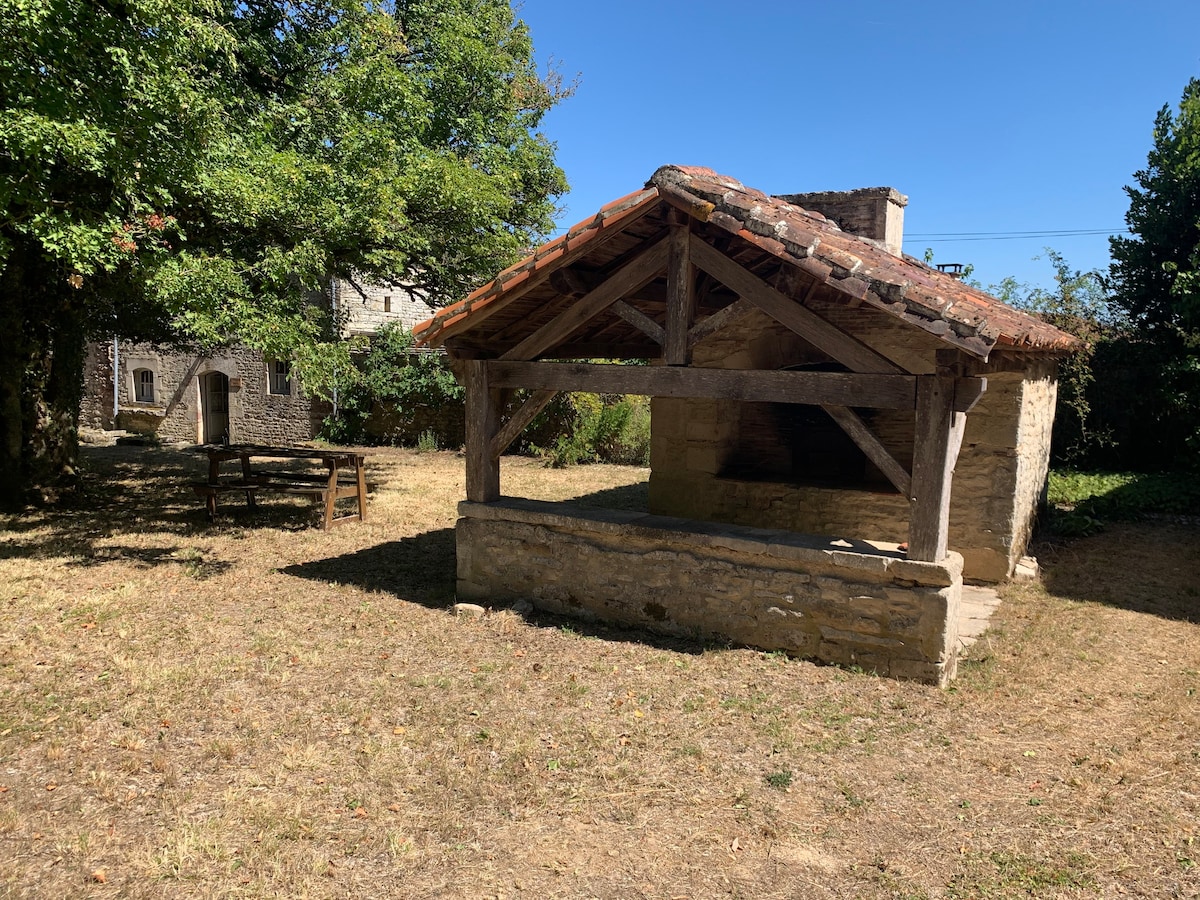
143 385
280 371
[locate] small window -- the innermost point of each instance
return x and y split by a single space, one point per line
387 304
143 385
281 376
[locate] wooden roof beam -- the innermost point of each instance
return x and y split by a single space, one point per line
828 338
643 268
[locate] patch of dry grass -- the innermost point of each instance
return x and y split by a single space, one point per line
258 708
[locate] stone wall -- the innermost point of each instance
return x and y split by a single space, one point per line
365 306
255 414
875 213
96 407
863 604
701 450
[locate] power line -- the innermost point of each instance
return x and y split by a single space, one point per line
1038 232
955 237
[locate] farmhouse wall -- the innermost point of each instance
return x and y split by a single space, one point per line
255 414
857 604
96 406
366 307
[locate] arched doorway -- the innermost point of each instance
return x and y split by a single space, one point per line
214 407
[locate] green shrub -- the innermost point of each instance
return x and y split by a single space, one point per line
607 428
402 394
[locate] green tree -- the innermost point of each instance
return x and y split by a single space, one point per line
193 170
1155 276
1079 304
1156 270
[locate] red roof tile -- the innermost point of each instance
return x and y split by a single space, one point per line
857 267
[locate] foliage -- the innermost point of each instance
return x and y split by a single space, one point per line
1081 502
1156 277
405 387
609 428
196 170
1079 305
1156 271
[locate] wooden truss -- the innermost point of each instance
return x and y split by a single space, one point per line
939 401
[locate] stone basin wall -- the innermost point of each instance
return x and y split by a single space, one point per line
856 604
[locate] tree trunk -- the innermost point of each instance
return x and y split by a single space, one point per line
42 320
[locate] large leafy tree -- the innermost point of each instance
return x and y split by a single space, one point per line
1155 275
1156 270
192 170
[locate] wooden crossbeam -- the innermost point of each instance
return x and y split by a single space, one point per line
520 420
642 269
821 334
718 320
640 321
851 423
779 386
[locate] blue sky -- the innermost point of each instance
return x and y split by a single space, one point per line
1022 116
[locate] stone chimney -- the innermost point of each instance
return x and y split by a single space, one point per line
875 213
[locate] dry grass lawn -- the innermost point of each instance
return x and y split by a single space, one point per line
260 709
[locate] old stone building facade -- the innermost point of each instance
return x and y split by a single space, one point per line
233 394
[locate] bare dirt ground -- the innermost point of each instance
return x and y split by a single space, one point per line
256 708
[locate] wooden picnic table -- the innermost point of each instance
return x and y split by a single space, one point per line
344 477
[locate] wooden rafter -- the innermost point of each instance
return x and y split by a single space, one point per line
482 312
640 321
821 334
642 268
718 320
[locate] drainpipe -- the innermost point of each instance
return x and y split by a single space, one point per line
116 379
334 292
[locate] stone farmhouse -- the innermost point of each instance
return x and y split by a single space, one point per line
840 434
234 393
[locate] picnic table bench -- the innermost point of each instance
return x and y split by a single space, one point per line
344 478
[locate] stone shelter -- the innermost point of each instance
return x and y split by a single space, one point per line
840 433
235 392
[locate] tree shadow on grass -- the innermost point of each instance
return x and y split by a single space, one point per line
124 490
1144 567
420 568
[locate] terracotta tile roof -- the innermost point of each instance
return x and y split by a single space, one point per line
857 268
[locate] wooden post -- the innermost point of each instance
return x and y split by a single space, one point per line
935 449
360 479
681 294
483 466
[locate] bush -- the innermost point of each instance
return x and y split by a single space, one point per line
607 428
398 396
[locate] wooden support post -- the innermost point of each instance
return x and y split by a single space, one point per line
360 479
483 465
935 449
681 292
